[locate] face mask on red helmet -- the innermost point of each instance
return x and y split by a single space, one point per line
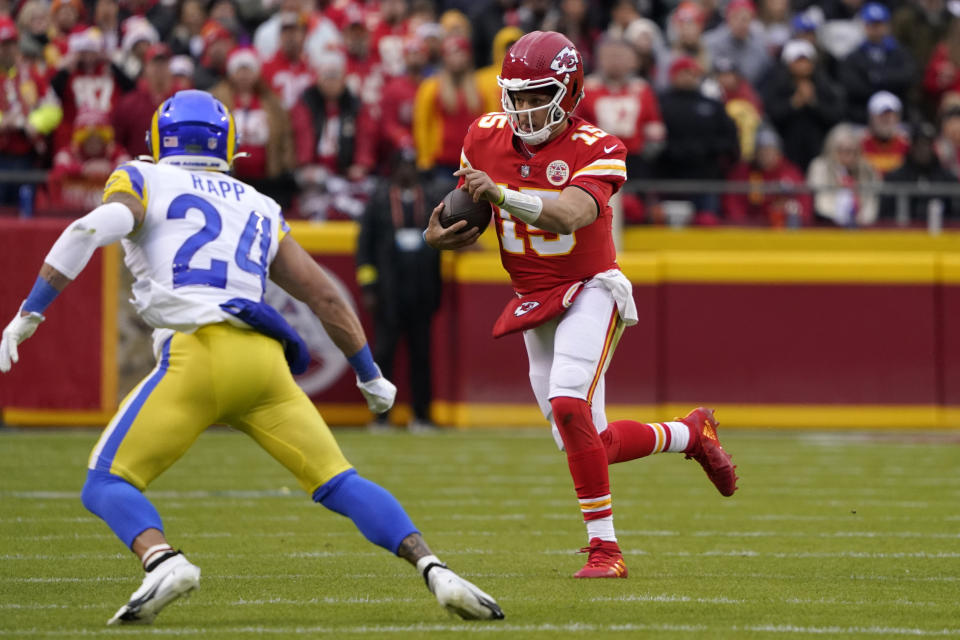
541 61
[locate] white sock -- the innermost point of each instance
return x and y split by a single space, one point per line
601 528
679 436
426 561
154 553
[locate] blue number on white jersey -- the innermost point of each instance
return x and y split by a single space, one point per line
256 223
216 274
183 273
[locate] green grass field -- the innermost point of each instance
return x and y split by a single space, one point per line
830 535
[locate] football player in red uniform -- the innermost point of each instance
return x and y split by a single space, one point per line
550 176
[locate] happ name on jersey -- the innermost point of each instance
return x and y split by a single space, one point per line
219 188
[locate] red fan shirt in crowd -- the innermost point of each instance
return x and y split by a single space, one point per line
58 45
365 79
22 89
324 149
288 78
745 92
583 156
93 90
75 184
386 46
132 116
941 74
338 11
761 208
885 155
70 163
253 133
396 113
630 112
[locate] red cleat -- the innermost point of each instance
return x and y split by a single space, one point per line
705 448
605 561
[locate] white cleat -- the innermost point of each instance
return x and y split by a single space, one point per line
168 581
460 596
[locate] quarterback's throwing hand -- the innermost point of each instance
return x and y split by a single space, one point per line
478 184
453 237
379 393
19 329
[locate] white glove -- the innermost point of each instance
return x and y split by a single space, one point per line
19 329
379 393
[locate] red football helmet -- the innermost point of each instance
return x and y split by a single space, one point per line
539 60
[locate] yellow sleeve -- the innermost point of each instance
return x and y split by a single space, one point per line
129 180
426 123
489 89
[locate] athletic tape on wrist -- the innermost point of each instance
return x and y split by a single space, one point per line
363 364
522 205
40 296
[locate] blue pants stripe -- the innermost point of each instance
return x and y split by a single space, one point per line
105 460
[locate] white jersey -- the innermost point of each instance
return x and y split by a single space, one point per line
206 238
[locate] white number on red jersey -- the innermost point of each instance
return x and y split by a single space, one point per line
493 121
589 134
529 239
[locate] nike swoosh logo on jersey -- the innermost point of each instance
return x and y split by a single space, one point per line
609 149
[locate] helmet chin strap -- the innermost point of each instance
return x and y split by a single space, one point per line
542 134
537 137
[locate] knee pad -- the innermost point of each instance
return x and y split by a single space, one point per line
570 377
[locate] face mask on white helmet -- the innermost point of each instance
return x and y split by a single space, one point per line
518 117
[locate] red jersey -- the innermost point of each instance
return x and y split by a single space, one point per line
84 90
756 207
885 155
288 78
75 184
396 115
630 112
22 89
132 116
386 46
253 133
583 156
365 80
940 75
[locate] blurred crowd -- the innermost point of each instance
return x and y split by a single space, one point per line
841 95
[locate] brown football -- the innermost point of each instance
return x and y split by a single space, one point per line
458 205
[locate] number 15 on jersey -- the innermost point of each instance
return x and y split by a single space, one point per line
520 238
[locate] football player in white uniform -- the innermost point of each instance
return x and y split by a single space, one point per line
201 245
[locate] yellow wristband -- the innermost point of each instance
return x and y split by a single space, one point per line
503 196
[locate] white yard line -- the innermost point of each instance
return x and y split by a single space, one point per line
736 553
667 597
493 629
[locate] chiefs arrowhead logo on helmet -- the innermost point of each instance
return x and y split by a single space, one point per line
566 61
543 61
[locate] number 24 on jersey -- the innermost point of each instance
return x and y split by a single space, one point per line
216 274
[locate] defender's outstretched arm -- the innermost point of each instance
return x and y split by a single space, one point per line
300 276
106 224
